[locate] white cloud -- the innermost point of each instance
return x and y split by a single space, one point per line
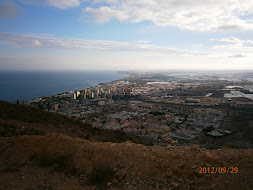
196 15
64 4
143 41
236 44
197 45
61 4
110 55
105 1
235 47
230 39
237 56
36 43
104 14
36 40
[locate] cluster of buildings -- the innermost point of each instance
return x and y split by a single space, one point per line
162 111
105 91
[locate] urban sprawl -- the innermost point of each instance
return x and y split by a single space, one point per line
167 107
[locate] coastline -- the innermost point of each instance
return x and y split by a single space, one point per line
19 85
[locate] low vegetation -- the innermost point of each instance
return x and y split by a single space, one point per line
7 130
101 171
63 162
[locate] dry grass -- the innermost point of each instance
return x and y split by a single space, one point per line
63 162
101 170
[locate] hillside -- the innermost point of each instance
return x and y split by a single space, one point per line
42 150
60 162
26 120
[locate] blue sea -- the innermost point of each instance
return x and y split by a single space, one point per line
31 85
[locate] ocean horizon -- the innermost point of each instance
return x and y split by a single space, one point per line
28 85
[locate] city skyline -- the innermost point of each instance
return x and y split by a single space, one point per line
126 35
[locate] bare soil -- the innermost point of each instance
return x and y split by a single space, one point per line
57 161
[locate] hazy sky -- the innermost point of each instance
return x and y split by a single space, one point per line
126 34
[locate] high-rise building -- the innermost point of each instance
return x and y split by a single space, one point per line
84 95
89 94
74 95
92 95
102 95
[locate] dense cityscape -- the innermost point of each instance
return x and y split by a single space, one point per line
167 108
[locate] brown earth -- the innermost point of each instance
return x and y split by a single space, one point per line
47 151
61 162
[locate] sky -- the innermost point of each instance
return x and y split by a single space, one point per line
70 35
